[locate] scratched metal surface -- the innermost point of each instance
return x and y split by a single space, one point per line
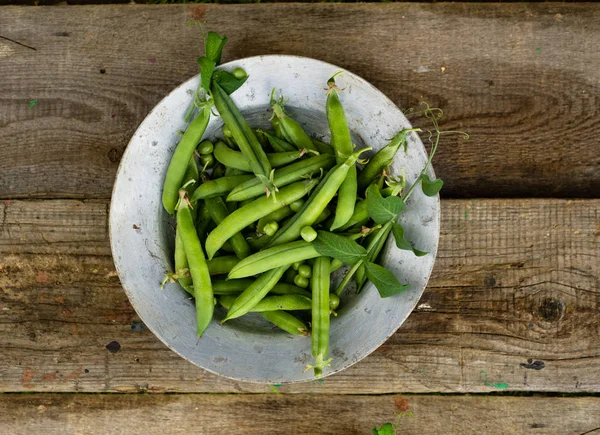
248 349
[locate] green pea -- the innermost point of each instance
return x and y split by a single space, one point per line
301 281
334 301
207 160
276 216
308 234
297 265
227 132
240 73
271 228
305 271
205 147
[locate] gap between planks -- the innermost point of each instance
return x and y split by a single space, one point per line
511 306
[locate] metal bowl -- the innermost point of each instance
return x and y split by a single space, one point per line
249 349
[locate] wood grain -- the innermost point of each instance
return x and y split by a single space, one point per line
521 78
260 414
512 305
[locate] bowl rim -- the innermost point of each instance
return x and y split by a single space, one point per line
128 292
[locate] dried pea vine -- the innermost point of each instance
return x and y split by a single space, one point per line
278 212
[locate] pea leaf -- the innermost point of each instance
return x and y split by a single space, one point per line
207 67
386 429
381 209
213 46
339 247
401 241
385 281
431 187
227 81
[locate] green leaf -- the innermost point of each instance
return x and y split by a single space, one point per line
402 243
339 247
431 187
207 67
386 429
381 209
385 281
227 81
213 46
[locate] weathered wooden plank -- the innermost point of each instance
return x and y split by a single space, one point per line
297 414
521 78
512 305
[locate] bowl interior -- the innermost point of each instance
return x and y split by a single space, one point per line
249 348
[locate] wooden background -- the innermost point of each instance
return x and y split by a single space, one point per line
510 319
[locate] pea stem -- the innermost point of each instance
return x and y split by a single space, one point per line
384 232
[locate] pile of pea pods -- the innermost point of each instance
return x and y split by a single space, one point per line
249 206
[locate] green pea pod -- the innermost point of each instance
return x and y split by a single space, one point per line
359 217
218 212
235 286
317 202
335 265
342 144
191 178
320 314
231 286
382 159
203 220
291 130
279 145
222 265
244 216
322 147
243 135
237 160
276 216
324 215
276 127
283 288
273 303
192 173
287 322
282 177
181 262
181 157
255 292
219 187
271 258
231 172
373 249
203 292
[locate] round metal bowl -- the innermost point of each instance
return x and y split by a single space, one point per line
248 348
